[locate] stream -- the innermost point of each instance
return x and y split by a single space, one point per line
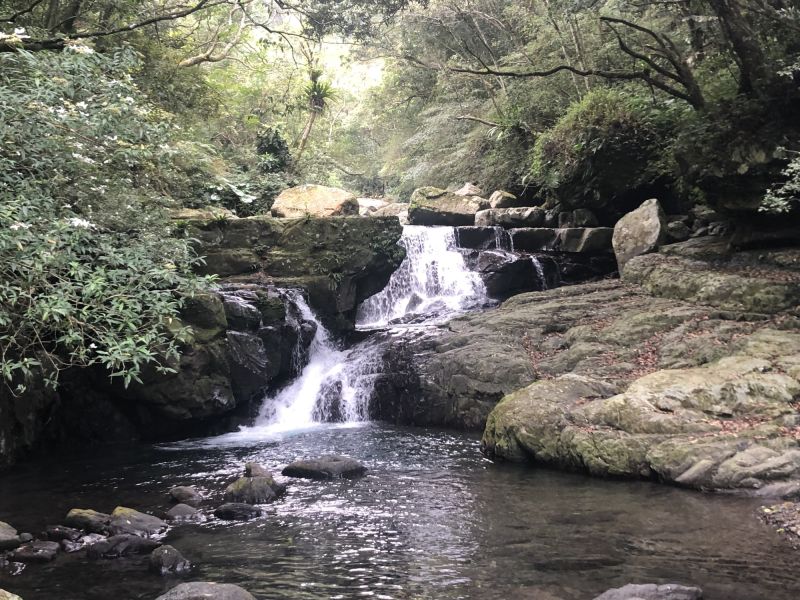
431 519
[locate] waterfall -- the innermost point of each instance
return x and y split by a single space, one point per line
336 384
433 281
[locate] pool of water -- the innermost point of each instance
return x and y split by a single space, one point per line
432 519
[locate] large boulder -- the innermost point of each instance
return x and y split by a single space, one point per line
510 217
4 595
325 467
8 537
315 201
434 206
652 591
469 189
639 232
201 590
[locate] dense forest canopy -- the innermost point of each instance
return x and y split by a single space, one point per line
113 113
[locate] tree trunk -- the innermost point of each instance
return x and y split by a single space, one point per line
301 145
746 47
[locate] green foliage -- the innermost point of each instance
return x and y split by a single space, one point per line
89 274
784 196
606 143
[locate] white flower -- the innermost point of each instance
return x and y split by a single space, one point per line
80 49
128 100
83 158
82 223
81 104
21 33
92 346
18 225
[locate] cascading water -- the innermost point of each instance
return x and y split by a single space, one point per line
336 384
433 281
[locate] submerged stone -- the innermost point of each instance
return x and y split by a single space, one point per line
167 560
8 537
129 521
88 520
122 545
201 590
325 467
185 494
237 511
36 552
651 591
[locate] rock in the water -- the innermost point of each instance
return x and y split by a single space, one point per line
182 512
185 494
237 511
4 595
8 537
325 467
129 521
253 490
510 217
36 552
651 591
640 232
434 206
56 533
316 201
200 590
122 545
88 520
167 560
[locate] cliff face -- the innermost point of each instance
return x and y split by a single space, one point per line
247 335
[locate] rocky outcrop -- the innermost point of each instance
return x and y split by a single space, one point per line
639 232
338 261
608 331
315 201
434 206
705 271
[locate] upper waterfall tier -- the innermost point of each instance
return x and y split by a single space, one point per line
432 281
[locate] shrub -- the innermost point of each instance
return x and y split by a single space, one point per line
605 146
89 273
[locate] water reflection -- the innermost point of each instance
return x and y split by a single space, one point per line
432 519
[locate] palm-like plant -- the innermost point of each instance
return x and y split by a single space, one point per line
318 93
